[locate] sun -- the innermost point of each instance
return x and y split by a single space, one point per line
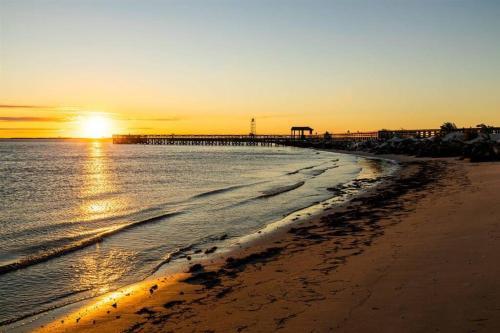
96 126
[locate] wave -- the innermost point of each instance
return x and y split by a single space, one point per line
171 256
52 228
57 252
266 194
279 190
193 248
301 169
218 191
317 172
45 310
226 189
54 242
314 166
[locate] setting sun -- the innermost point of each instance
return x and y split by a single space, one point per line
96 126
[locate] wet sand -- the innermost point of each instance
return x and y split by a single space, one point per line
417 254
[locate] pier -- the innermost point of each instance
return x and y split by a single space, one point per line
299 136
204 140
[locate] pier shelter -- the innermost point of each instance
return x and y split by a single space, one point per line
298 132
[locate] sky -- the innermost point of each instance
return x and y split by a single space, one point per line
96 67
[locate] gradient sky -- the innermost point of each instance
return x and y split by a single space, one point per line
209 66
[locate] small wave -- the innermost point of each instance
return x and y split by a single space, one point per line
47 309
52 228
171 256
58 242
279 190
218 191
225 189
164 261
314 166
65 295
266 194
190 249
60 226
54 253
301 169
317 172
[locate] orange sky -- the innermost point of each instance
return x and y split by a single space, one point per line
209 67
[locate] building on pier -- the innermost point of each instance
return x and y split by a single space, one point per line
298 132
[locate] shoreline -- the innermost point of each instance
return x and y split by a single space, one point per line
221 285
258 240
249 241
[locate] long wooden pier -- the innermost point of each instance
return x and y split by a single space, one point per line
284 140
203 140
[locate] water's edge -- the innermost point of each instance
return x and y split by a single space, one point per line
174 263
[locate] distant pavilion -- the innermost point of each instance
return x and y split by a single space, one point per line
298 132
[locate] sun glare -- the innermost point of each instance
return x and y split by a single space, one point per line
96 126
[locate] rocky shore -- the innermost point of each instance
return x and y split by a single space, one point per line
484 147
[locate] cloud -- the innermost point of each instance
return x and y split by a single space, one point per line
166 119
26 129
152 119
278 115
33 119
14 106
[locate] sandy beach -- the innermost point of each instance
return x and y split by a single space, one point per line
417 254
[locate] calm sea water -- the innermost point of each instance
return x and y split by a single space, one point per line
78 219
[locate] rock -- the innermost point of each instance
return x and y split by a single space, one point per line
153 288
195 268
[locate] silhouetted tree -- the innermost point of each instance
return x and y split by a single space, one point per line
485 129
448 127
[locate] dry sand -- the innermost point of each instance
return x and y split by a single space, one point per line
419 254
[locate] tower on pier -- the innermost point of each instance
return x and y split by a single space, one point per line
253 127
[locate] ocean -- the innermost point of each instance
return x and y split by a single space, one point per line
81 218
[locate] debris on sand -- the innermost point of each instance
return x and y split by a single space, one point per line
153 288
171 304
211 250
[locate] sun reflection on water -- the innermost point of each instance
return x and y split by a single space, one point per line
101 201
96 271
97 187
